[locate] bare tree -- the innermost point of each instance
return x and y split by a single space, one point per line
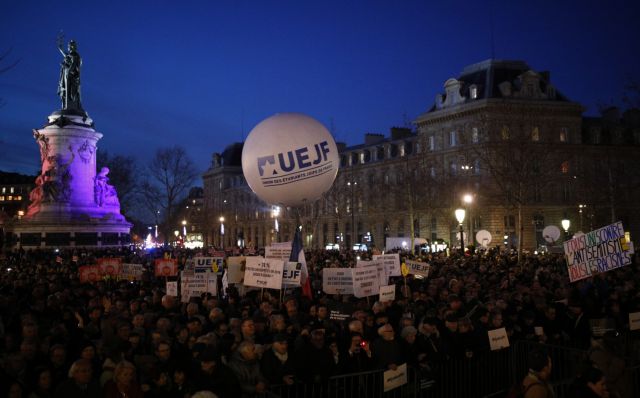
171 174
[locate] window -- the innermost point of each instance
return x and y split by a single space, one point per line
564 167
432 147
476 167
4 190
362 158
11 190
535 134
595 136
509 221
453 138
402 151
564 135
1 198
473 91
417 147
432 172
475 138
453 168
505 133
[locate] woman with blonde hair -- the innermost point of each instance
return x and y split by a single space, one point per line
124 383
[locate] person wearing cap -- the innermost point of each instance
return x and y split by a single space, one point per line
276 364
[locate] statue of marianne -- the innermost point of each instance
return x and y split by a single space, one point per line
69 83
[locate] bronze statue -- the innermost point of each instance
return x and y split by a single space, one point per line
69 83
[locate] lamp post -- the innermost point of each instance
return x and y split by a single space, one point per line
353 214
184 227
467 199
221 232
565 225
275 212
460 213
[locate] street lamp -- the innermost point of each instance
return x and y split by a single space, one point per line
467 199
176 233
221 232
184 227
460 213
275 212
565 225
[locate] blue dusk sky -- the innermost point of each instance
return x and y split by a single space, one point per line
202 74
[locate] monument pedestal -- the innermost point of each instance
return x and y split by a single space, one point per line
71 205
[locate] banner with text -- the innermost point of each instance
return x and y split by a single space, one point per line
131 272
166 267
197 283
109 266
391 263
202 264
278 251
498 339
418 268
382 269
291 274
597 251
395 378
172 288
337 281
387 293
365 281
261 272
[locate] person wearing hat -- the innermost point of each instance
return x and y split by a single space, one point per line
276 364
214 376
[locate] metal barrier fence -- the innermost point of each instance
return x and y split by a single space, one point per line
489 374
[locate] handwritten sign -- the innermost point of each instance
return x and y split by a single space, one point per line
498 339
131 272
337 281
380 266
278 251
365 281
172 289
197 283
263 273
597 251
166 267
387 293
418 268
395 378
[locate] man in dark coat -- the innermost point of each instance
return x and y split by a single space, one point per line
214 376
276 364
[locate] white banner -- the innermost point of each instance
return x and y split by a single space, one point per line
235 269
498 339
131 272
278 251
263 273
418 268
172 289
634 321
382 269
292 274
337 281
387 293
197 283
395 378
391 263
365 281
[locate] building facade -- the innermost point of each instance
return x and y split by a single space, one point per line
500 135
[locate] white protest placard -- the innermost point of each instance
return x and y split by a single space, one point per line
387 293
382 269
263 273
498 339
172 289
634 321
292 274
278 251
337 281
131 272
235 269
203 264
198 283
538 330
418 268
597 251
365 281
395 378
391 263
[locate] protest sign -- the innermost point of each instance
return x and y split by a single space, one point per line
337 281
131 272
235 269
89 273
202 264
263 273
197 283
365 281
395 378
339 311
278 251
418 268
634 321
391 263
538 330
383 276
166 267
291 274
109 266
172 289
597 251
387 293
601 326
498 339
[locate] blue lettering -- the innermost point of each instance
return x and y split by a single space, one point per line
263 161
324 146
283 166
302 156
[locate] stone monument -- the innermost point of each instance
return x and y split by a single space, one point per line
71 205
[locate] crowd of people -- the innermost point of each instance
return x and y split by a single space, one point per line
62 338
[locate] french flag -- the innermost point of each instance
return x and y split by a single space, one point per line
297 255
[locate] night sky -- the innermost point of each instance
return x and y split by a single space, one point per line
201 74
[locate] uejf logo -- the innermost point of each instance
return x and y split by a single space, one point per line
295 165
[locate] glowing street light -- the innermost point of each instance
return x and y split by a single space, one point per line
467 198
184 227
221 232
565 225
275 212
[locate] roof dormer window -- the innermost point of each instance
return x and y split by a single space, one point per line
473 91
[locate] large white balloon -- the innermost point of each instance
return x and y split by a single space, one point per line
290 159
